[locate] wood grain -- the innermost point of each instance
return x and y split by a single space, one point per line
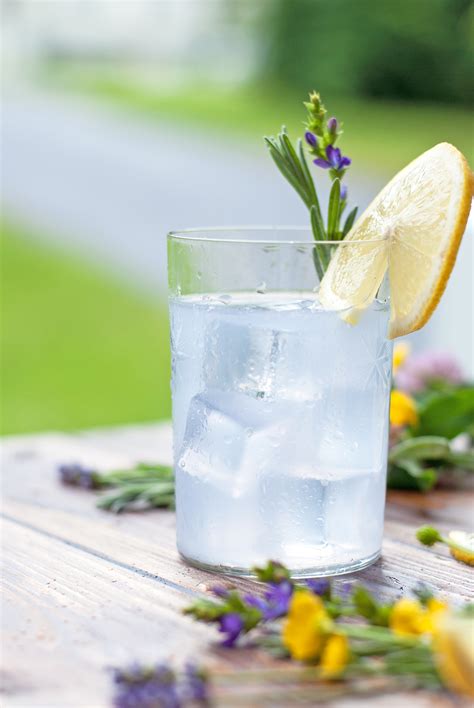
84 589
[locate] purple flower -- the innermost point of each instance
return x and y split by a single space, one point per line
278 598
255 601
343 193
419 370
78 476
319 586
346 589
275 600
310 138
196 687
334 161
142 687
332 125
159 687
219 591
232 625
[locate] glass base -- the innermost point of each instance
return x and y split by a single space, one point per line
296 573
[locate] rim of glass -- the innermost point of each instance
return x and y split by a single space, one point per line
192 235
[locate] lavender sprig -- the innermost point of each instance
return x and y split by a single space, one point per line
237 613
160 687
320 138
142 486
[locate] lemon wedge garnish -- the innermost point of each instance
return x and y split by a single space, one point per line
413 229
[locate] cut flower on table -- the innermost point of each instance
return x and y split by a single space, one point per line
460 543
416 642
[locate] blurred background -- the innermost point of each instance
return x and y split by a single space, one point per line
123 120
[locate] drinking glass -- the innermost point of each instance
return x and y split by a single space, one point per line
280 404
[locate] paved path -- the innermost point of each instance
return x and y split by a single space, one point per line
112 186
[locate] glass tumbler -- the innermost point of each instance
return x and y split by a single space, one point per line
280 404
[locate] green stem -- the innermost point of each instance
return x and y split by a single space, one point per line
381 634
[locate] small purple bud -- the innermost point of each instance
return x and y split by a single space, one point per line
332 125
343 193
311 138
232 625
78 476
320 586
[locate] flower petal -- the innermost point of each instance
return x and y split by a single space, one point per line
322 163
333 155
311 138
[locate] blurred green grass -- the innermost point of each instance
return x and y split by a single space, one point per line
79 349
381 137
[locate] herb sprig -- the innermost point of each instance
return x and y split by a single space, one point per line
320 137
342 634
143 486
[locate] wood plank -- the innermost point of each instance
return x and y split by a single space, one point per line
85 589
147 540
67 615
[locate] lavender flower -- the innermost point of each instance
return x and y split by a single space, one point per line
255 601
334 161
343 193
274 602
78 476
419 370
231 624
332 126
311 139
144 687
196 684
159 687
319 586
278 598
345 589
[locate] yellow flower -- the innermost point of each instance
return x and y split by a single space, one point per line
435 612
454 653
463 546
400 352
409 617
335 656
402 409
306 626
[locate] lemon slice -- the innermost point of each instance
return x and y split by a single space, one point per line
413 229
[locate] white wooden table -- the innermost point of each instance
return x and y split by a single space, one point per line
84 590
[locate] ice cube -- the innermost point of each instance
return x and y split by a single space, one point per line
218 430
240 358
265 360
351 428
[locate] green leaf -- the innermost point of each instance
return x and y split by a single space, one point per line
428 447
317 224
205 610
320 255
349 222
334 208
308 177
364 602
465 459
143 493
273 572
409 474
282 164
447 413
292 156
